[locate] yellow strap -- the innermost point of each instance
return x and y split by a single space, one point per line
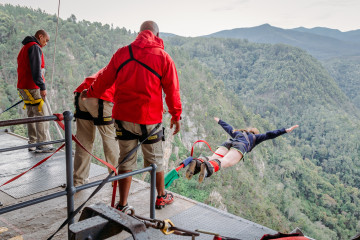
33 101
24 107
40 105
107 119
29 94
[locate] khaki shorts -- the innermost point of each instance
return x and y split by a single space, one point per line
153 153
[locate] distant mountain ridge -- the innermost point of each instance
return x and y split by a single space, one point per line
166 35
349 36
322 43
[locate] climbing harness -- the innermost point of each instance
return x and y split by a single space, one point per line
31 100
78 113
100 120
141 63
123 134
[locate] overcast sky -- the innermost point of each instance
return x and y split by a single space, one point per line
201 17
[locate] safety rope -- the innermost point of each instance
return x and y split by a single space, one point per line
59 121
192 149
12 106
39 163
53 71
57 26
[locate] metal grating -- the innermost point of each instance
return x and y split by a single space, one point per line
49 175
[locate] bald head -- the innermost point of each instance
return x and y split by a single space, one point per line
40 32
42 37
150 25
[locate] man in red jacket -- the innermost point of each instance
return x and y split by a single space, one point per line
141 71
31 86
91 114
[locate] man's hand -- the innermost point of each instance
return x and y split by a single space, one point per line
288 130
177 126
83 94
43 94
216 119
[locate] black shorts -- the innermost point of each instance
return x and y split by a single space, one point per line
237 145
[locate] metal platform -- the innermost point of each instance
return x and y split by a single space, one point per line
49 175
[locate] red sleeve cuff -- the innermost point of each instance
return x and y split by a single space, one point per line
176 118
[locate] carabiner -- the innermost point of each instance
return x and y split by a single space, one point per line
164 230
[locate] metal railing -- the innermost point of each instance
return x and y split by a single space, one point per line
70 189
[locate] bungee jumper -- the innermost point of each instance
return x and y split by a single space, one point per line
231 151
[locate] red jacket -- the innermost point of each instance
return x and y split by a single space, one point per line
138 91
30 65
108 95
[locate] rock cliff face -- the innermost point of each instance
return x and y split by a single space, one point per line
216 199
189 133
168 148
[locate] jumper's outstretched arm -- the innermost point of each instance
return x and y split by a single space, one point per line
288 130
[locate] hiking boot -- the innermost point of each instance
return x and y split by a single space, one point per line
208 168
203 172
32 149
120 207
45 149
161 201
194 167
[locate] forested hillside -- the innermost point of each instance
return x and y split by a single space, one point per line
285 86
307 179
339 52
346 72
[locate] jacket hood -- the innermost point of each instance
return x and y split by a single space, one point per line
146 39
29 39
